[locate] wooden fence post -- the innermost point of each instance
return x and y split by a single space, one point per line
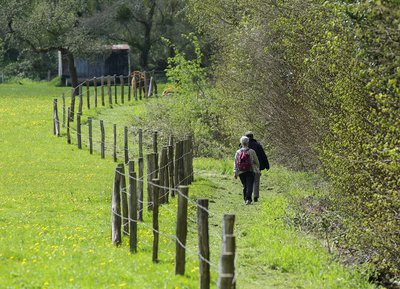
56 121
126 150
103 103
87 93
140 87
133 202
140 143
95 91
72 106
190 157
163 175
124 201
150 92
166 184
204 246
140 189
228 225
116 235
78 131
177 156
171 140
121 83
171 183
90 135
135 86
226 278
186 162
68 126
115 142
63 110
181 231
230 247
155 150
155 87
80 105
115 89
109 90
151 174
226 273
155 143
155 190
172 164
146 84
102 142
129 87
181 163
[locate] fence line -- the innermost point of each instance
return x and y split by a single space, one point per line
169 172
188 177
90 134
227 277
142 82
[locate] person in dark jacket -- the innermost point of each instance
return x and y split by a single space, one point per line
246 175
263 160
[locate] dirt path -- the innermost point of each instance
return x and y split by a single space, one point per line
271 253
252 269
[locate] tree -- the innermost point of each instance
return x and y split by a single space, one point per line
45 26
141 24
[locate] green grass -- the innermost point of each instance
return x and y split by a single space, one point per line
55 208
271 252
55 214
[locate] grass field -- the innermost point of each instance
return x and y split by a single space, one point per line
55 214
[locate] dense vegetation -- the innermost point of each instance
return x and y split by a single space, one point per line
317 82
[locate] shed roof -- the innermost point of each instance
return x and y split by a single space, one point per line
120 47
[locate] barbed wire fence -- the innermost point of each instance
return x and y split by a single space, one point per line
169 173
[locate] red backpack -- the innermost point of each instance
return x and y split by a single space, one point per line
243 160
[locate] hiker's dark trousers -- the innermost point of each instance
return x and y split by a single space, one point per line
247 179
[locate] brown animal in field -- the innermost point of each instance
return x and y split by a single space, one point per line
137 79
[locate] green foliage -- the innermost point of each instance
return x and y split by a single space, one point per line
34 31
359 146
320 82
27 64
189 110
187 74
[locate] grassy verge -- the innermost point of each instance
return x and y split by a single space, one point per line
271 252
55 208
55 215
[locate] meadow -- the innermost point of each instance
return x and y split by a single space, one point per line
55 214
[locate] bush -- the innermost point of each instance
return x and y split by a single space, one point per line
189 110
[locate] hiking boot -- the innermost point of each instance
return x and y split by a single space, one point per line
256 199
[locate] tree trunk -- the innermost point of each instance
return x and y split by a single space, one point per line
72 70
145 51
144 58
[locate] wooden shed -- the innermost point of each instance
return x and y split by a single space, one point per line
116 62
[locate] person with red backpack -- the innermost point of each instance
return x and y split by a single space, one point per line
246 165
262 159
